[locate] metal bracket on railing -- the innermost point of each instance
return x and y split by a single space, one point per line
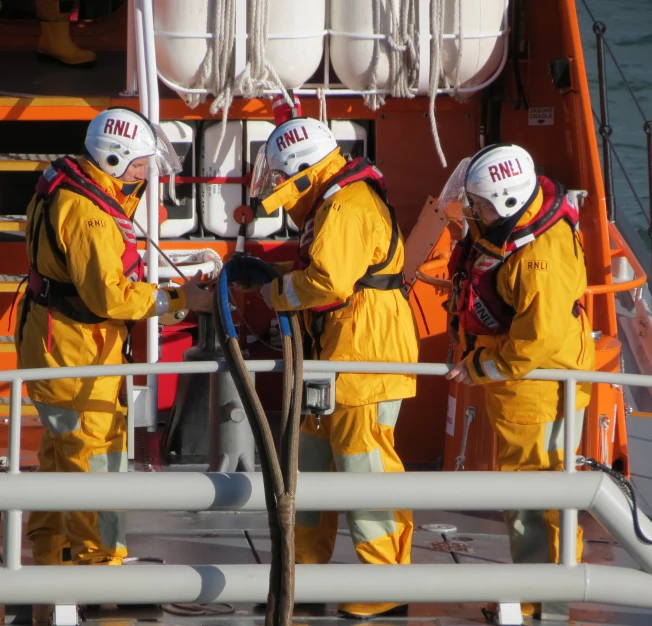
604 431
139 413
65 615
509 614
318 393
469 416
578 196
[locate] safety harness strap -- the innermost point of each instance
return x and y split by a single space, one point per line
52 293
358 170
64 173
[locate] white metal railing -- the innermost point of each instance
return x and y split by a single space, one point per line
567 491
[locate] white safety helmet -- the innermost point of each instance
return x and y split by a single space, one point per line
298 144
504 175
118 136
293 146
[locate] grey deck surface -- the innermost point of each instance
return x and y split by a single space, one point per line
479 537
204 538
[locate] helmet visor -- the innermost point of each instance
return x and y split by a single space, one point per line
453 199
166 159
264 180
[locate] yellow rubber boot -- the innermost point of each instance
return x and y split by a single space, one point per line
55 42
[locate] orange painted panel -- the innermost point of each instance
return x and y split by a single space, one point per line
405 153
470 442
421 427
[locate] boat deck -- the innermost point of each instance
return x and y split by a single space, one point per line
210 537
242 538
199 538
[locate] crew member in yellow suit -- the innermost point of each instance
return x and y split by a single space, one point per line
518 278
348 280
85 288
54 43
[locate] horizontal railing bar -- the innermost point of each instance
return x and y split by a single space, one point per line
330 491
154 584
205 367
167 34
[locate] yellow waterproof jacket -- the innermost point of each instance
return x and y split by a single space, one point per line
541 281
93 247
352 230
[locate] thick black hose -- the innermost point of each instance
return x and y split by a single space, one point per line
279 477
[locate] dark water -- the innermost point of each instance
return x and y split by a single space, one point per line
629 33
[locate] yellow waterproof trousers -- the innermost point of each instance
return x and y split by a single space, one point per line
354 439
80 441
534 535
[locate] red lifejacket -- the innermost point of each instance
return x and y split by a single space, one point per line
356 170
64 173
474 268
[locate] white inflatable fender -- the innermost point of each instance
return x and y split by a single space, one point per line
183 32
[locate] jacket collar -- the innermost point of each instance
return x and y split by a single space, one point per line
494 241
113 186
298 194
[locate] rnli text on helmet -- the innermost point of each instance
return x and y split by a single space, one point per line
119 127
291 137
504 170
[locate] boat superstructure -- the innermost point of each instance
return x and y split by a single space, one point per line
416 86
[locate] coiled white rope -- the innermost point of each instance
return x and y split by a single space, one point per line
460 46
323 114
401 41
216 73
436 70
403 57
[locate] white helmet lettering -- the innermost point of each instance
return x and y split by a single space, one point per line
120 127
116 137
505 170
503 175
299 141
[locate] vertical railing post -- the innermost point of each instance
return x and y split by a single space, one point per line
139 34
131 88
14 519
568 531
153 113
605 130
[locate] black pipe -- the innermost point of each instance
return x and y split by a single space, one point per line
605 129
647 127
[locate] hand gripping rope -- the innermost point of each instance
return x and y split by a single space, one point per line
279 474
